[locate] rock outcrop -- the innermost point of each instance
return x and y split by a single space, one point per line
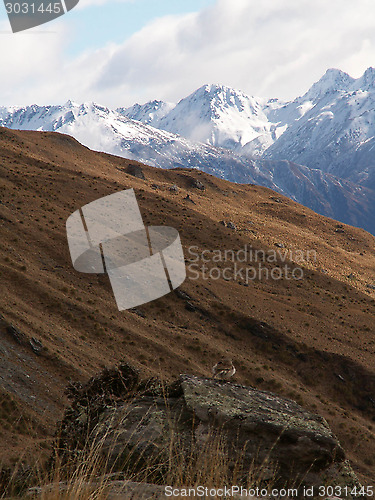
275 432
137 424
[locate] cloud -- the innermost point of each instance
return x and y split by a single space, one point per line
27 60
35 68
273 48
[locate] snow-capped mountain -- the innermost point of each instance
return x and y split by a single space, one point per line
325 128
215 115
223 117
330 130
331 127
332 82
102 129
336 133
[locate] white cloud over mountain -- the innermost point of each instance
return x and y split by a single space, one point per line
272 48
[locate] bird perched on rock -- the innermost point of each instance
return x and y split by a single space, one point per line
224 369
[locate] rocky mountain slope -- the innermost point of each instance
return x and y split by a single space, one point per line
311 340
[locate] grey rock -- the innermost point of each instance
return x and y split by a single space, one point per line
36 345
182 295
260 427
12 331
261 417
190 307
112 489
136 171
197 184
189 198
138 312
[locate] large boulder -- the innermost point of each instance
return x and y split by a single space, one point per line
275 432
258 431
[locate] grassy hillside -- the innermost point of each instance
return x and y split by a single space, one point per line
311 339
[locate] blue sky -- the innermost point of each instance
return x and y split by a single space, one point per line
96 25
118 52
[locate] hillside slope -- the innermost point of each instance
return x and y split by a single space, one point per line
310 339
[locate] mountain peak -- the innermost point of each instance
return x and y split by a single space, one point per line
216 87
217 115
70 104
336 73
213 90
367 80
333 80
336 77
213 100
